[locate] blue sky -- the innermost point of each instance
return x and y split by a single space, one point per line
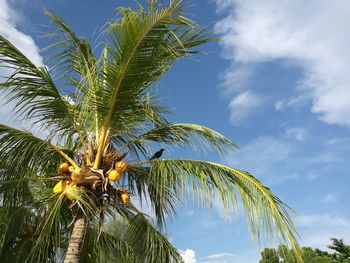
277 85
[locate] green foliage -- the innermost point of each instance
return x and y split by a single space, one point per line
342 251
283 254
20 150
269 255
34 93
130 238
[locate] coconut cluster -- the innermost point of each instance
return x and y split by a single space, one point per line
76 177
69 186
116 174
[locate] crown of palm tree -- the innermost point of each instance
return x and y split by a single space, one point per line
102 114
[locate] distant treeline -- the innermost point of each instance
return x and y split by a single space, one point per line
340 254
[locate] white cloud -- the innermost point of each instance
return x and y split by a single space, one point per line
322 220
9 19
248 256
294 102
312 175
320 238
236 77
189 213
309 34
188 255
8 28
264 157
242 105
218 258
317 229
220 255
276 159
329 198
295 133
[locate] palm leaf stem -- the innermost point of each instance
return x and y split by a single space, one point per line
65 156
101 146
138 164
82 142
121 148
54 178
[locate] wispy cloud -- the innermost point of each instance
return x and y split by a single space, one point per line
236 77
264 157
242 105
293 102
322 220
220 255
329 198
321 237
189 256
312 175
218 258
310 35
275 159
295 133
317 229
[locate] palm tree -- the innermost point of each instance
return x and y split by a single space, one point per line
102 117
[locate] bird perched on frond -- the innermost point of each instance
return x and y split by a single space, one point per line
158 154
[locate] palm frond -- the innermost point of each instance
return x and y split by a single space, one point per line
14 192
182 134
50 235
75 60
21 150
144 46
267 215
73 54
36 227
34 93
13 237
149 245
109 245
129 239
163 200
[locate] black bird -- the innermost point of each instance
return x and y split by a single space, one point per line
158 154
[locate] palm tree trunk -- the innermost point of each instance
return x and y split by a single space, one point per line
77 239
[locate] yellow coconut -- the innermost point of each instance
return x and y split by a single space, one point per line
60 186
76 175
114 175
121 166
71 169
124 198
72 192
63 168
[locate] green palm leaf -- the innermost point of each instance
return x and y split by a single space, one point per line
132 239
75 61
13 228
20 150
266 214
148 243
163 197
34 92
144 46
182 134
